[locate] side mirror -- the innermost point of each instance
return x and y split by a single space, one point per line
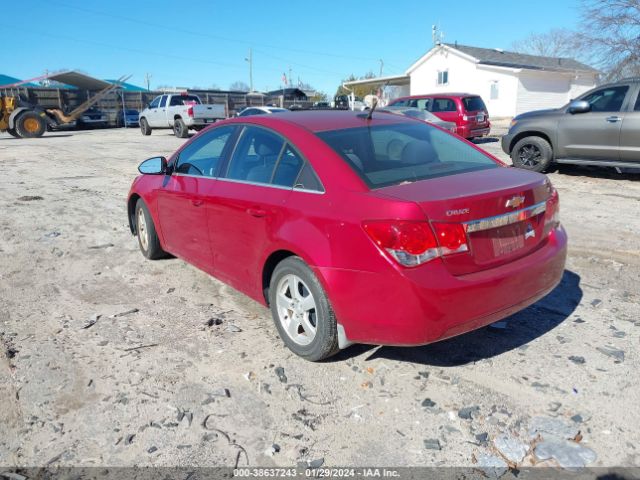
579 106
153 166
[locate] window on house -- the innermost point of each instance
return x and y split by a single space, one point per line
443 77
495 90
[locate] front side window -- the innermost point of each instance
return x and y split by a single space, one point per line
202 156
400 103
255 156
443 77
155 103
637 107
607 99
399 153
163 101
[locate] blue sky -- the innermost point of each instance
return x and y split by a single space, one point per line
204 43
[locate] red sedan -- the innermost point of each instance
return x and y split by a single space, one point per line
382 230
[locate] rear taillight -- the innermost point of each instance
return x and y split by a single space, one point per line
190 111
414 243
552 213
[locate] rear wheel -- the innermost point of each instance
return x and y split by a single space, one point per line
146 232
30 125
301 311
144 127
13 133
532 153
180 128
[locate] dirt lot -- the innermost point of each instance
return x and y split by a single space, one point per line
109 359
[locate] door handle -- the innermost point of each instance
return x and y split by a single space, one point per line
256 212
196 202
613 119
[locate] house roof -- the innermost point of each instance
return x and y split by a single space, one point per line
9 80
502 58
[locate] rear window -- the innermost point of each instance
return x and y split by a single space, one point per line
184 100
473 104
386 155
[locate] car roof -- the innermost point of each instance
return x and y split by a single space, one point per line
438 94
324 120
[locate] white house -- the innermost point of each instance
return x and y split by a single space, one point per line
509 83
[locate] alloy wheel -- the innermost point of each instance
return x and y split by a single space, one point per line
143 234
530 155
296 308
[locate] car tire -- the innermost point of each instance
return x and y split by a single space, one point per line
12 132
30 125
532 153
144 127
148 240
304 318
180 128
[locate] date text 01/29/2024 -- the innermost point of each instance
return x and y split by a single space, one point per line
315 473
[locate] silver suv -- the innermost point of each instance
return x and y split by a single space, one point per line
601 127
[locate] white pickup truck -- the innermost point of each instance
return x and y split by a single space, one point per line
180 112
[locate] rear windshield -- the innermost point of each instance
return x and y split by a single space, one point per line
473 104
184 100
386 155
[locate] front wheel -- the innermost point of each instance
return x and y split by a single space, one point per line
144 127
180 129
532 153
302 312
146 232
30 125
13 133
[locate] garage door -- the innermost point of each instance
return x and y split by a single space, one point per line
540 91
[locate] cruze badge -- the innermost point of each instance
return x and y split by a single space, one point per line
461 211
515 202
529 232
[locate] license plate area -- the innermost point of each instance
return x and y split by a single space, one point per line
508 240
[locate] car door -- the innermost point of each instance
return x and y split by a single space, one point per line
444 108
152 111
182 201
630 131
594 135
248 206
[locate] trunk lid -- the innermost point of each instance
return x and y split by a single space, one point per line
502 209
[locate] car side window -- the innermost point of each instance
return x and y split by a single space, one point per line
443 105
202 156
163 101
255 156
401 103
422 103
308 180
637 107
288 168
155 103
609 99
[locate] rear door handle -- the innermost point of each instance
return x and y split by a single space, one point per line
613 119
196 202
256 212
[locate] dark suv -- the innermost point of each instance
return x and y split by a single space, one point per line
601 127
467 111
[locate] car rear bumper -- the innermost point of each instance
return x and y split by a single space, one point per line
468 131
427 304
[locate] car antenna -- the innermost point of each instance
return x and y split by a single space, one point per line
374 104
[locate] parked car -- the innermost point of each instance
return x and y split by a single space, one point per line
601 127
423 115
320 105
92 118
260 111
344 102
467 111
180 112
127 118
382 231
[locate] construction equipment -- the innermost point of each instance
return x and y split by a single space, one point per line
22 119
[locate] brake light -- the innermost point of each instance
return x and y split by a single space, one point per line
190 111
414 243
552 213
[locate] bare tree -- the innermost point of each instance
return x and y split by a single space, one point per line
554 43
611 35
239 86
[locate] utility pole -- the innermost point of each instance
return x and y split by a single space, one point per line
250 60
147 80
381 65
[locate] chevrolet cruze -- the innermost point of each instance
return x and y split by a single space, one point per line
354 227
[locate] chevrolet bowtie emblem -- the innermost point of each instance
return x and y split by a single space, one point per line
515 202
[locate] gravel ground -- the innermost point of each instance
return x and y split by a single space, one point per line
107 359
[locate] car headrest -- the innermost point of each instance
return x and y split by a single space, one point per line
266 146
419 151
